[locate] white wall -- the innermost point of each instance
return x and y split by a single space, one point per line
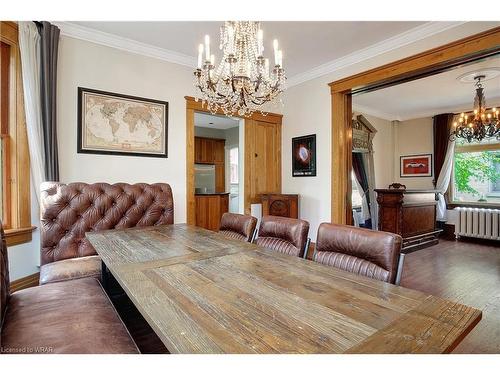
24 259
94 66
307 110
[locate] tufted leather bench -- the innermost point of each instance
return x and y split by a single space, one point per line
71 317
68 211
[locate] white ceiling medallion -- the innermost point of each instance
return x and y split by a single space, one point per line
486 74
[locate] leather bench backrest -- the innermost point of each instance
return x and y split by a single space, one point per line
68 211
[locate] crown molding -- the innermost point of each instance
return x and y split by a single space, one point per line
91 35
125 44
413 35
375 112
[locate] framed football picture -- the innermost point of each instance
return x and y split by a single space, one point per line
304 156
416 165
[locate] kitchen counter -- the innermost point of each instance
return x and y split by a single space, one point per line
210 208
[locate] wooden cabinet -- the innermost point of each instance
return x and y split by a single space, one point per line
285 205
220 178
212 151
208 150
219 151
198 157
209 210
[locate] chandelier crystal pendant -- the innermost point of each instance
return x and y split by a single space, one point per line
243 81
480 124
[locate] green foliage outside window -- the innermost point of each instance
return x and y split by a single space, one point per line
475 166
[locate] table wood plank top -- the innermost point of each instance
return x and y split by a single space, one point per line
204 293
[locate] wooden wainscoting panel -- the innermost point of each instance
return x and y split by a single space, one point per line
25 282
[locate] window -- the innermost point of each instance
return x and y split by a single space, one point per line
476 173
15 207
233 165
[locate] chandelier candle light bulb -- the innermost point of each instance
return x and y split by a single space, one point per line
207 47
200 56
260 40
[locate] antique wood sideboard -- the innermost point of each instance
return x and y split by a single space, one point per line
286 205
411 214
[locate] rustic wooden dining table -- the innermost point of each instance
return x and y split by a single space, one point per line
204 293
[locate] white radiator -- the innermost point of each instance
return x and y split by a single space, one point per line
478 222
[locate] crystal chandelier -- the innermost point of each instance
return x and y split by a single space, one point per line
242 82
481 124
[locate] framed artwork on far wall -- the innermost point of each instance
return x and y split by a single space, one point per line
117 124
304 156
416 165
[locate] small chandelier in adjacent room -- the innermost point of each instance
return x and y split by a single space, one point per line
481 123
243 81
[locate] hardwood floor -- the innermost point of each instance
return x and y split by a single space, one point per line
467 273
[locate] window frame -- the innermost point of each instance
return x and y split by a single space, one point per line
18 201
452 203
238 165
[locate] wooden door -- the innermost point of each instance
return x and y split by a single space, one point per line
262 160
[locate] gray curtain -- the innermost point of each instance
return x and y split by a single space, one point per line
49 44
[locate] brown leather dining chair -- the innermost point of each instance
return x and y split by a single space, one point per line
362 251
284 235
238 227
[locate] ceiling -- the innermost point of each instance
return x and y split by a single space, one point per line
306 45
441 93
205 120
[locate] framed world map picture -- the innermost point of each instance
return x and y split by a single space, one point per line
110 123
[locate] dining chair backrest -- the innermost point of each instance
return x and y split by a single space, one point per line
239 227
283 234
362 251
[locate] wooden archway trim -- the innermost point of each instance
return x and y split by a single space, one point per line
193 106
417 66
